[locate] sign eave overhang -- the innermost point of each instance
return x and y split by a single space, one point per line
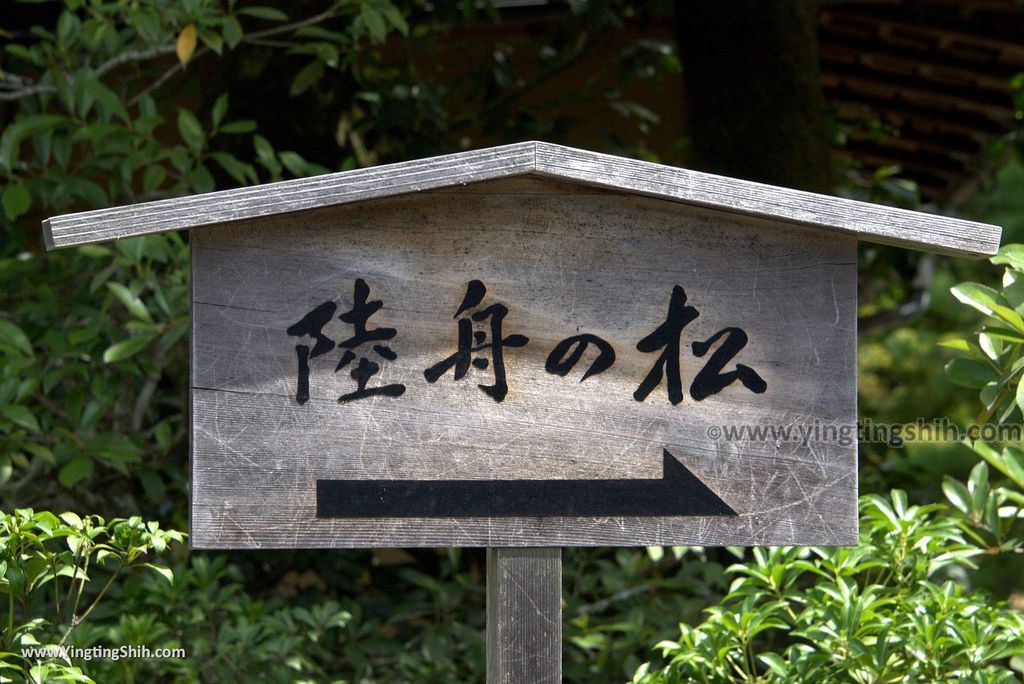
869 222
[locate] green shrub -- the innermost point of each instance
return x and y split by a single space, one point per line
893 609
418 634
50 582
92 353
993 363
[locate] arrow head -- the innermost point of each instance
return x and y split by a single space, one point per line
693 495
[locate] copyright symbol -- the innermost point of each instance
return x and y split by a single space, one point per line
714 432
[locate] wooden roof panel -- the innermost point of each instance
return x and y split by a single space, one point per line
867 221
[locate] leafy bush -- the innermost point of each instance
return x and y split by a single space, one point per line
421 634
890 610
92 359
993 363
46 563
84 401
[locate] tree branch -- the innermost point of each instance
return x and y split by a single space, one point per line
146 54
141 55
12 95
253 37
134 56
12 81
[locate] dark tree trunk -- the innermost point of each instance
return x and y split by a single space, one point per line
753 90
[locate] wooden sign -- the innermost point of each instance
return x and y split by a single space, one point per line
523 346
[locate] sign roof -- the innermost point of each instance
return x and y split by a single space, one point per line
871 222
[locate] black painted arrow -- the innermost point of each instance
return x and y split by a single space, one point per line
678 492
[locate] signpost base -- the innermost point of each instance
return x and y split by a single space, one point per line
524 615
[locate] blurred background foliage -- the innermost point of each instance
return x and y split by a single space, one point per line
105 103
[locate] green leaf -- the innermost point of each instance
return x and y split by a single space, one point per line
978 486
94 251
1005 334
106 97
20 415
114 447
41 452
1010 255
232 31
89 192
987 301
981 297
958 344
989 344
19 130
132 248
1011 463
242 173
126 348
71 519
191 130
75 471
1019 394
957 493
239 127
394 16
293 162
776 664
374 22
970 373
591 641
131 301
153 178
298 166
268 13
989 393
201 179
16 200
13 336
265 154
212 40
306 77
68 27
166 573
220 108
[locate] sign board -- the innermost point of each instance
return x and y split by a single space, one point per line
523 346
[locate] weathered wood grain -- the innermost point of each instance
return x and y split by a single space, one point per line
866 221
288 196
564 262
524 616
869 222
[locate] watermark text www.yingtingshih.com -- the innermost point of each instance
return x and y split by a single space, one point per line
895 435
69 653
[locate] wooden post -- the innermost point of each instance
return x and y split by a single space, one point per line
524 615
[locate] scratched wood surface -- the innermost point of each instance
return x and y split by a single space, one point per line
524 616
565 260
869 222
